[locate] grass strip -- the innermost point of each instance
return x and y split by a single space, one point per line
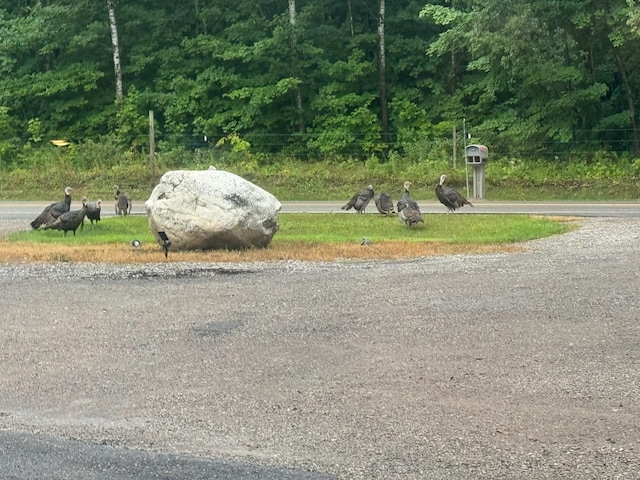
309 237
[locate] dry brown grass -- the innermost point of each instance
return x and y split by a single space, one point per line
11 252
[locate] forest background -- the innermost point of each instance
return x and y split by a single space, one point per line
314 98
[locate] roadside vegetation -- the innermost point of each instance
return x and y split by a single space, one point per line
93 169
312 237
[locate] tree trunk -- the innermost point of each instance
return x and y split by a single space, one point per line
454 82
297 93
353 32
382 82
630 102
116 51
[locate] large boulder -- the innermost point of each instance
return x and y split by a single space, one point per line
211 209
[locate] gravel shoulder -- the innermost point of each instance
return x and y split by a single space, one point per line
517 365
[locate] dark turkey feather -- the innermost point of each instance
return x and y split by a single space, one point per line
53 211
123 202
406 200
360 200
69 221
449 197
384 204
93 211
410 216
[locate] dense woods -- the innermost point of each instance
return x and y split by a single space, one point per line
318 78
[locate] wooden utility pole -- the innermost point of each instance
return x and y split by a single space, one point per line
455 145
152 145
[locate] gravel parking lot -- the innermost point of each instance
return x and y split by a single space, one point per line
521 365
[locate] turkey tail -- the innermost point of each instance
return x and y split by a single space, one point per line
40 220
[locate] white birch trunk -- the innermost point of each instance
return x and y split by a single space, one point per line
292 12
116 51
353 32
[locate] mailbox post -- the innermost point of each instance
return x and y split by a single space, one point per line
477 156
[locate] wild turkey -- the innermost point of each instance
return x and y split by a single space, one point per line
53 211
406 200
410 216
123 202
69 221
93 211
449 197
384 204
360 200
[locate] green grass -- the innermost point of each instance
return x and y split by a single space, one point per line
111 230
453 229
336 228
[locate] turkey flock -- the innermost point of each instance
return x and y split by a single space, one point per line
407 208
59 216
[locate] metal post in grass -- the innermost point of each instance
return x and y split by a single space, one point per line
477 156
152 145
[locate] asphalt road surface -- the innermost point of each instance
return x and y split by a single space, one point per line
29 210
522 365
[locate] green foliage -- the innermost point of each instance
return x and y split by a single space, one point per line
599 176
542 78
8 138
34 127
132 122
53 169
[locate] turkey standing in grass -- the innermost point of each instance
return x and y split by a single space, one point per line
93 211
123 202
410 216
406 200
408 209
53 211
360 200
384 204
449 197
69 221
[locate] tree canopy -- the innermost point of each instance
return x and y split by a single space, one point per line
529 76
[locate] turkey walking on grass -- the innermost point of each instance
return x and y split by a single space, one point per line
53 211
360 200
69 221
384 204
410 216
123 202
406 200
450 197
408 209
93 211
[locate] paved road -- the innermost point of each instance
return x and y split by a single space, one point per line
29 210
467 367
29 456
